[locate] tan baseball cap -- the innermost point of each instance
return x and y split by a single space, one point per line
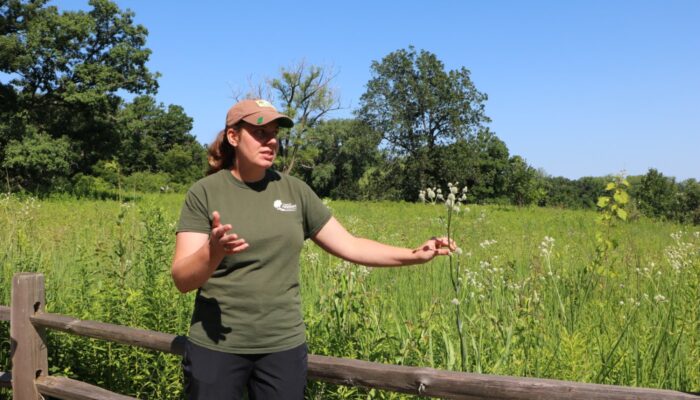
256 112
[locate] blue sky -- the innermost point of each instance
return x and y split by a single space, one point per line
577 88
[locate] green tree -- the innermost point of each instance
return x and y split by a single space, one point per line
418 106
657 195
561 192
147 131
523 183
304 93
588 190
38 162
65 71
690 201
346 149
185 164
480 163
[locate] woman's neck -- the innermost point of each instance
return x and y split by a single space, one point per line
247 175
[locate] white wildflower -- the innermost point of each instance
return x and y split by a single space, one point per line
487 243
546 246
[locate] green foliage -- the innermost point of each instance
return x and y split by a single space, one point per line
60 110
305 94
88 186
689 201
110 171
149 132
657 195
576 194
184 163
480 162
522 183
346 149
612 209
530 307
66 69
38 162
418 106
379 182
149 182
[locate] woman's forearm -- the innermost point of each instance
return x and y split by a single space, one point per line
336 240
375 254
191 272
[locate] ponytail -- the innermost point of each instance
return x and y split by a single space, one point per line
220 154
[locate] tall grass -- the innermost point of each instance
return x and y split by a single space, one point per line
531 304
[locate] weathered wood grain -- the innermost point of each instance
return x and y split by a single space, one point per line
115 333
412 380
69 389
27 342
458 385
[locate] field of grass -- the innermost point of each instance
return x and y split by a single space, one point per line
536 299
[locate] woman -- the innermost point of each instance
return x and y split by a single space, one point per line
238 242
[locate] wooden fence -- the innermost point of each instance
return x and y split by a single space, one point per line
29 379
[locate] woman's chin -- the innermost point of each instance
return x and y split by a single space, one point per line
267 163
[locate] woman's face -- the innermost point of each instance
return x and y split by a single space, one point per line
256 146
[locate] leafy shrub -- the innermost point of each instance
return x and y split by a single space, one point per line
148 182
39 162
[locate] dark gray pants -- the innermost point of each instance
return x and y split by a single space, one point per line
215 375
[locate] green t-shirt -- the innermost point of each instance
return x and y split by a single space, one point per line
251 303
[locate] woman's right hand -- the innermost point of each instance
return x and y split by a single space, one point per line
198 254
221 242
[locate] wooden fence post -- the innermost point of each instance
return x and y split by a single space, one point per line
27 343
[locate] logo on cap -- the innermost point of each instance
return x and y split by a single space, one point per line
264 103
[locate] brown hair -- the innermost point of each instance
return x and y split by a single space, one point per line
220 153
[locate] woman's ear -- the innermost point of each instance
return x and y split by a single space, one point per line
232 137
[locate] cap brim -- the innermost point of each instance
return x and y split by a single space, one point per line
262 118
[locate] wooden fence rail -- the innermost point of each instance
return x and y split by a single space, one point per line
30 380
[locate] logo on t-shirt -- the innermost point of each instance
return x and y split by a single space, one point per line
286 207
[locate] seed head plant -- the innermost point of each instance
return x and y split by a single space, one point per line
452 205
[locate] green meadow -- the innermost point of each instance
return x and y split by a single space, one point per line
537 296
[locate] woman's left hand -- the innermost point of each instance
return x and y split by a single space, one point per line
435 247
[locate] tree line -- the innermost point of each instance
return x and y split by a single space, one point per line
66 127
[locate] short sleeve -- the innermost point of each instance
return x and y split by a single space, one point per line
194 216
316 214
